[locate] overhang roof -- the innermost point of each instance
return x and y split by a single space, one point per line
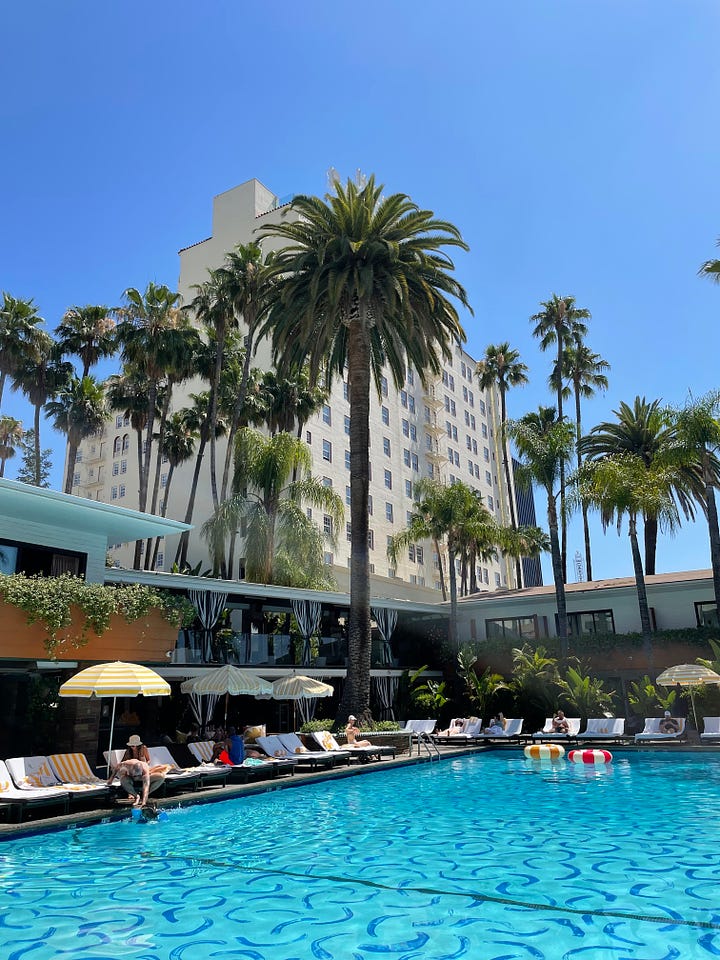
23 502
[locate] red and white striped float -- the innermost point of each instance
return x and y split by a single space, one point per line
592 757
544 751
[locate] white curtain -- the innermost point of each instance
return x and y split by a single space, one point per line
198 701
308 706
385 689
386 622
209 606
307 613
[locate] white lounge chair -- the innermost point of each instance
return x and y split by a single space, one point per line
38 772
513 729
328 743
298 751
711 729
202 776
22 798
652 730
202 750
458 725
419 726
473 728
74 773
547 732
604 728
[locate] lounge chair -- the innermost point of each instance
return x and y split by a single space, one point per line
458 725
202 750
472 729
604 728
652 730
28 797
328 743
512 731
314 758
201 775
711 730
419 726
547 732
38 772
74 772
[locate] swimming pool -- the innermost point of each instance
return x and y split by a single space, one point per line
486 857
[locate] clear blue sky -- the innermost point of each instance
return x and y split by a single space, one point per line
575 144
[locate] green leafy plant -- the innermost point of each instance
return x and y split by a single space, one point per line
426 694
50 601
646 700
314 726
584 695
480 688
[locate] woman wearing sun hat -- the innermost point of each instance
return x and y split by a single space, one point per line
352 731
136 750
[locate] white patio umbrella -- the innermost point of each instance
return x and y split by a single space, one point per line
228 680
688 675
115 680
297 687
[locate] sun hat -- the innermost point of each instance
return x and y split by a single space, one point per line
352 717
667 713
134 741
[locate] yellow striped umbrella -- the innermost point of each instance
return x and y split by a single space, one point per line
115 680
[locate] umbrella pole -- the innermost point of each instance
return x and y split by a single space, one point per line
692 700
227 697
112 728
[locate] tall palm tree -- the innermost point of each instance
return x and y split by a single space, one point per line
178 445
711 269
292 401
545 444
270 503
643 430
561 324
501 367
11 434
697 431
78 410
364 281
88 333
622 486
39 375
238 289
19 322
584 373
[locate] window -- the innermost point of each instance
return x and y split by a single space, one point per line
347 426
472 421
474 446
327 451
386 446
408 517
413 578
118 422
123 466
408 489
497 580
490 503
457 459
706 614
477 471
467 419
384 386
116 446
486 575
392 572
370 504
125 443
428 416
115 469
328 559
465 394
327 525
308 512
488 477
76 479
347 495
483 430
591 621
481 406
411 378
327 414
470 469
346 390
371 539
411 404
121 490
404 398
389 512
348 531
163 479
308 437
347 459
451 456
471 398
514 628
468 441
463 368
385 415
159 561
448 428
411 553
415 462
406 457
113 493
486 454
428 442
388 543
413 432
406 428
420 554
327 481
388 479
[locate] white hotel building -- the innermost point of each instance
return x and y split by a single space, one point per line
447 431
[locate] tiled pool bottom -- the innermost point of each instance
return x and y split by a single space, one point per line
484 857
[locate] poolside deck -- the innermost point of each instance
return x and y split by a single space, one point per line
36 821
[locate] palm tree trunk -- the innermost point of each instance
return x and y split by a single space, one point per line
452 622
237 413
138 543
443 587
712 516
158 466
558 575
356 693
508 482
563 519
163 512
37 444
642 595
213 412
69 476
473 574
651 534
182 548
586 526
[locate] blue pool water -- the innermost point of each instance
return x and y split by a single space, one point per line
484 857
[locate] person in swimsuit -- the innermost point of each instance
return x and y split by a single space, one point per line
669 724
352 732
559 723
497 725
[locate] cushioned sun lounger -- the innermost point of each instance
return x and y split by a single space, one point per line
712 729
512 731
20 799
38 772
74 771
313 758
604 728
202 750
547 731
203 775
249 769
419 726
328 743
458 725
652 730
473 728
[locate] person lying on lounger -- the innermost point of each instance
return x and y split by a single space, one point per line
559 723
497 725
669 724
352 732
